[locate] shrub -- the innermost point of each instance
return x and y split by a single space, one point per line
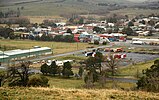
104 43
96 42
38 80
150 80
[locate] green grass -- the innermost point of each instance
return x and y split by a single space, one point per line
58 47
60 82
132 12
133 70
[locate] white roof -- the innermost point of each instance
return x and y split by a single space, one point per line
1 52
19 51
1 57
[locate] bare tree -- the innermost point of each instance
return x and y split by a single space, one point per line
111 65
19 75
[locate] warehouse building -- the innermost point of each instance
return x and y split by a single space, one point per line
19 54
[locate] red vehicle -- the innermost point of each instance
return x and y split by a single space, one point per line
120 56
118 50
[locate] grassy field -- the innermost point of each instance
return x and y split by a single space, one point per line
133 70
20 93
131 12
58 47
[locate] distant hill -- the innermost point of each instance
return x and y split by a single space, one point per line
59 7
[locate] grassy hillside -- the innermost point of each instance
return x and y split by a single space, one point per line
17 93
56 7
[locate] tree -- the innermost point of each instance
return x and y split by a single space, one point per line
68 38
111 63
49 23
81 21
58 38
6 32
150 80
19 76
69 30
130 23
112 20
81 70
46 37
54 68
151 22
12 36
2 77
67 70
143 22
128 31
45 69
93 69
98 29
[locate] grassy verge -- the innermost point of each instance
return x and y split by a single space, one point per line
59 82
134 70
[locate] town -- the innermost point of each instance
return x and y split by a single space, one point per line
87 55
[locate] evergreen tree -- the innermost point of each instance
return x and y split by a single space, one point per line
54 68
81 70
150 80
45 69
67 70
69 30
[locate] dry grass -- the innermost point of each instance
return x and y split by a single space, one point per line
40 93
133 70
39 19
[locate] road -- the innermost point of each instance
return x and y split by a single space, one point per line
4 66
127 80
127 44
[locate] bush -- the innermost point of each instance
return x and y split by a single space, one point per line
104 43
150 80
38 80
96 42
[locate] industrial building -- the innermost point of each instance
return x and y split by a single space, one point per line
19 54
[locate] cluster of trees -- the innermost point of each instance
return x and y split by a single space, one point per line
98 29
7 33
150 80
53 69
20 76
57 38
95 70
76 20
22 21
112 20
48 23
128 31
10 13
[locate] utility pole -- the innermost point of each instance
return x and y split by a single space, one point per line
77 45
52 49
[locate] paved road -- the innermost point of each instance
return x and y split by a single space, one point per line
4 66
128 80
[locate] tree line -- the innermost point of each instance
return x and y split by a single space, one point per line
53 69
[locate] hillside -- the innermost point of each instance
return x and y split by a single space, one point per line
61 7
17 93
